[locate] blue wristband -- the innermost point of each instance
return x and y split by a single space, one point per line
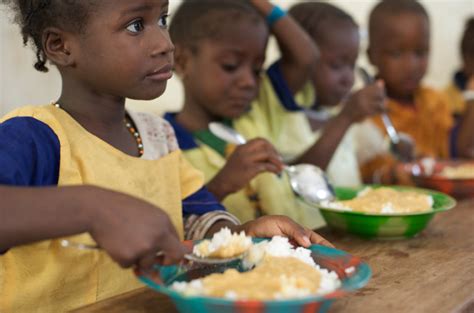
275 14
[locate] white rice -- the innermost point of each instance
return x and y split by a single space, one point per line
223 238
276 247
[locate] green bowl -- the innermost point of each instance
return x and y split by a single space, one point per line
384 225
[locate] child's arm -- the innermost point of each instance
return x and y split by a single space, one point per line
298 51
130 230
362 104
465 139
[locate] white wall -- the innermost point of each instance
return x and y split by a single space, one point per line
20 84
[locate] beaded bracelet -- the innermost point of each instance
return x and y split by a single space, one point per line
275 14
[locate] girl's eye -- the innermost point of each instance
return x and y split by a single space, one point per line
135 26
395 54
257 71
229 67
163 22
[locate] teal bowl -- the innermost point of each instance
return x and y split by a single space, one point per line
384 225
353 273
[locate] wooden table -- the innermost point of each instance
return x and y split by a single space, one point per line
433 272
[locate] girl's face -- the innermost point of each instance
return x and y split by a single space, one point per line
125 50
400 53
223 76
334 73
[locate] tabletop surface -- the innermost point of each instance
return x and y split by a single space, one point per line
433 272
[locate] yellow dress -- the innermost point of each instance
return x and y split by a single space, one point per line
45 277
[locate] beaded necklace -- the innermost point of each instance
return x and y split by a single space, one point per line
131 128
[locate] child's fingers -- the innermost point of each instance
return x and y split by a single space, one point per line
317 239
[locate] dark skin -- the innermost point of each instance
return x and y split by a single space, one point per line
124 51
402 62
333 78
223 77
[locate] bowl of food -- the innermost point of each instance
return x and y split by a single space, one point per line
272 276
393 212
455 177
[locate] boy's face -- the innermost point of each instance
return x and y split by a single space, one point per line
400 51
125 50
334 73
223 76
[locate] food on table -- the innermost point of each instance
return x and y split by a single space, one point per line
223 244
384 200
276 270
465 171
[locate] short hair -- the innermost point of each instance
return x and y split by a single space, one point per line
393 8
467 41
196 20
312 15
34 16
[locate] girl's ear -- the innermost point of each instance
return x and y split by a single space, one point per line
182 59
57 47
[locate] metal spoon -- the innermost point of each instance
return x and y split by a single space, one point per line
306 180
387 122
188 256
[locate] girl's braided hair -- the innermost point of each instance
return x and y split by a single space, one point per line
34 16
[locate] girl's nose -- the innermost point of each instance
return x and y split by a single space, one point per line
248 79
347 79
160 43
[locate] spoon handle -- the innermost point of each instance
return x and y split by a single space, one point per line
391 131
188 256
387 122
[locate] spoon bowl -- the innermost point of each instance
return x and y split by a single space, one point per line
306 180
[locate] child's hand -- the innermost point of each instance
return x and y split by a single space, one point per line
132 231
246 162
277 225
405 149
366 102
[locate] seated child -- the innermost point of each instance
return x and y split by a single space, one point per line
341 141
220 51
461 91
465 75
87 170
401 62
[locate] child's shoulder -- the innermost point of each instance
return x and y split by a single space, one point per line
431 97
35 111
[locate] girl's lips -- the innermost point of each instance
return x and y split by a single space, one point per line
164 73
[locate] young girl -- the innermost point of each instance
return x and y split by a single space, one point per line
86 170
401 62
341 140
220 51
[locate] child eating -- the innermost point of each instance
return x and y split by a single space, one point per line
86 170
